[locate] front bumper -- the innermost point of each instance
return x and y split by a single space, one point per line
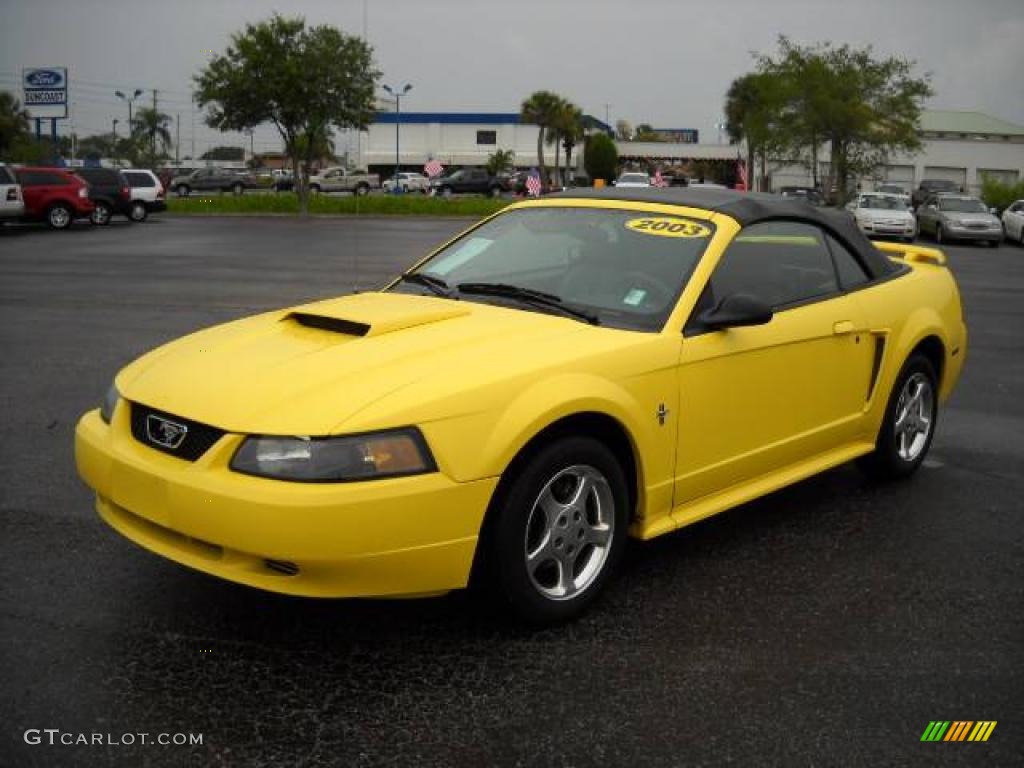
971 234
401 536
877 229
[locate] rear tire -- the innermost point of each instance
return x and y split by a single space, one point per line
182 190
138 212
558 531
938 234
361 190
59 216
237 189
909 424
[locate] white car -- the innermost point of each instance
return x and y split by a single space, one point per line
883 215
408 182
1013 221
633 180
147 193
12 204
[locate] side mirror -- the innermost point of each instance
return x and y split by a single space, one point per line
735 310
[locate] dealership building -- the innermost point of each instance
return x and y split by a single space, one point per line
963 147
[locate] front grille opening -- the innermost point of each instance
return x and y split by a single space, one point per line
198 439
283 567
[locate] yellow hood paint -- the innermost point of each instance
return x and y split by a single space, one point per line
270 374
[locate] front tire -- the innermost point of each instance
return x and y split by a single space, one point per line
101 215
361 190
237 189
182 190
559 531
909 424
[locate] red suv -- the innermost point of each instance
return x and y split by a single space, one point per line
54 195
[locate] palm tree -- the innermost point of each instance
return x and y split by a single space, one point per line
572 130
541 108
153 125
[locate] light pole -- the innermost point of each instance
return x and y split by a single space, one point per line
398 120
131 100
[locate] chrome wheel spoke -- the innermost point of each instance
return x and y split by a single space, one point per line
599 535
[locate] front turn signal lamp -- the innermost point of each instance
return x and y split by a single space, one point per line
370 456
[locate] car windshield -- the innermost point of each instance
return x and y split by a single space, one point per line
882 202
635 178
937 186
626 268
962 205
891 188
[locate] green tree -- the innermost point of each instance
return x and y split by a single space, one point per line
14 123
865 108
302 80
572 130
600 157
753 106
541 108
500 161
224 153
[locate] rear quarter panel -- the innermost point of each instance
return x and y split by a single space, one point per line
904 311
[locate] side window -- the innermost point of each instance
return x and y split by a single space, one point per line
851 273
778 262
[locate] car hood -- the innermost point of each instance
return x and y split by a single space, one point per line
308 369
884 213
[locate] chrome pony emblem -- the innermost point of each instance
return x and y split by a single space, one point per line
164 432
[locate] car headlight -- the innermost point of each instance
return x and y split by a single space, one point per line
107 409
369 456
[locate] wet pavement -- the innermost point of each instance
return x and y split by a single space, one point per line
826 624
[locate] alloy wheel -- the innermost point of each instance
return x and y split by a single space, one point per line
569 532
914 417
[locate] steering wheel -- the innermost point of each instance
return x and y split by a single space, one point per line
658 295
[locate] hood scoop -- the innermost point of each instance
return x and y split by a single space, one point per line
333 324
375 314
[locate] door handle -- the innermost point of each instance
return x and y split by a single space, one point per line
842 327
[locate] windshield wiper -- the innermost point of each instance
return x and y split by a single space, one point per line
528 296
436 285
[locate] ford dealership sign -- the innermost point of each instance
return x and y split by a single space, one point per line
45 92
45 78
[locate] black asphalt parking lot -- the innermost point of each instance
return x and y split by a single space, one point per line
826 624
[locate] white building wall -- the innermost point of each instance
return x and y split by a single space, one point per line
963 160
453 144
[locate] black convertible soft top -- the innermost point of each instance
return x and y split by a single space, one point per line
750 207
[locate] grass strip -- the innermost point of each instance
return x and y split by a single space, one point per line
371 205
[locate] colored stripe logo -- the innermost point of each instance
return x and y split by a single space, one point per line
958 730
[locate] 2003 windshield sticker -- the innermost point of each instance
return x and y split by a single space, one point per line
664 226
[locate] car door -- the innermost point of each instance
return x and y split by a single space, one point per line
36 190
756 399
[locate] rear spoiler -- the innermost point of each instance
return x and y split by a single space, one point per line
913 253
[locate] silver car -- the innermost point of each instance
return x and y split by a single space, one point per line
12 205
958 217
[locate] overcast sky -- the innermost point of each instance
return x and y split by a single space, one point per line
664 62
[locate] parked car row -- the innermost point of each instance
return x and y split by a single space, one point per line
59 196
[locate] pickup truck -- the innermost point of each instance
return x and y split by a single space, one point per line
338 179
469 180
213 179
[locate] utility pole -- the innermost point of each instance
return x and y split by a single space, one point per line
193 155
177 138
153 134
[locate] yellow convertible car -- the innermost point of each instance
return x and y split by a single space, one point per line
571 372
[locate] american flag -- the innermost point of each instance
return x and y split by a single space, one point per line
533 184
658 180
433 168
741 174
